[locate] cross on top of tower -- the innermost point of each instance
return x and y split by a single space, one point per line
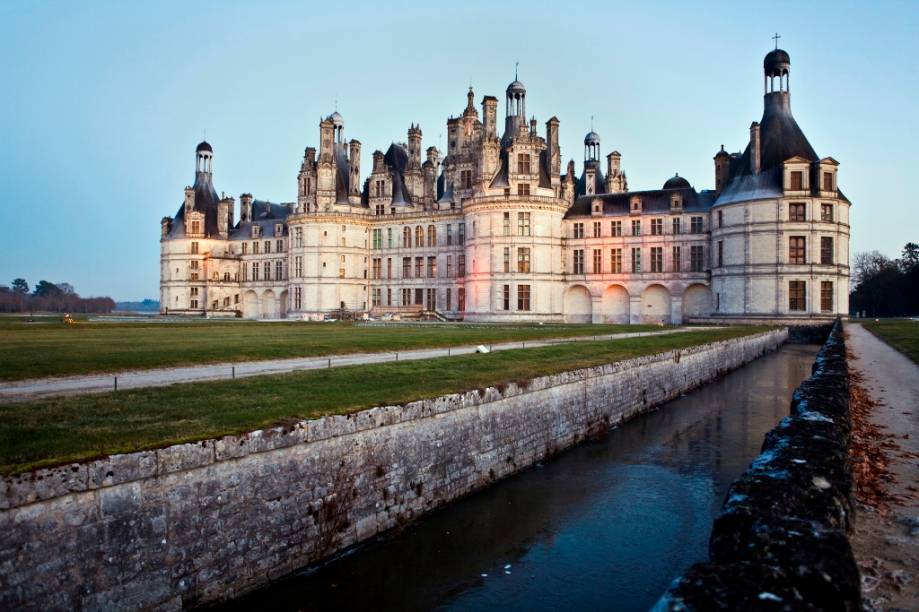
776 38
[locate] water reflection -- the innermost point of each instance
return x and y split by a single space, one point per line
607 525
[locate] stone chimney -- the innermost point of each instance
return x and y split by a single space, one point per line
754 148
245 207
723 168
490 116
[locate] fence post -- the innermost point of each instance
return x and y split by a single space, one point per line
330 364
116 384
234 372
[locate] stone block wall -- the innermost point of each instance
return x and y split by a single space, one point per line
781 541
203 522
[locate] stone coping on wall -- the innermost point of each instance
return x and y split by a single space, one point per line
48 483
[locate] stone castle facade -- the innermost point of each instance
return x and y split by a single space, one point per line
495 231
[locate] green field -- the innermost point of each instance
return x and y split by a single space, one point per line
61 430
48 347
902 334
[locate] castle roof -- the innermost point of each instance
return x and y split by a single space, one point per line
205 202
653 201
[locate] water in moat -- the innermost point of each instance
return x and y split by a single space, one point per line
606 525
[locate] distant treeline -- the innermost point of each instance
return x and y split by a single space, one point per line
147 305
884 287
50 297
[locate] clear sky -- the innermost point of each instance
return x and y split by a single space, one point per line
103 103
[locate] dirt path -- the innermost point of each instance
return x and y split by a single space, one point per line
37 388
886 537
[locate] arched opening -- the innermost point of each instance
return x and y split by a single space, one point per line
615 305
577 305
250 305
269 305
697 301
284 304
655 304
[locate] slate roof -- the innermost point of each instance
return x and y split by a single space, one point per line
653 201
205 201
580 187
266 215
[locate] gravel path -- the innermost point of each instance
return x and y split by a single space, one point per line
23 390
886 541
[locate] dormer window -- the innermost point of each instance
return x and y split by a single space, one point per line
796 181
828 181
635 207
256 231
676 201
278 229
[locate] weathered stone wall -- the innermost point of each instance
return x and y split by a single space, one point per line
780 542
196 523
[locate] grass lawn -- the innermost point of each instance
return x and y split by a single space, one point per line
50 348
48 432
902 334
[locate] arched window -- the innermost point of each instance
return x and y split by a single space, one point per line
432 236
419 236
406 237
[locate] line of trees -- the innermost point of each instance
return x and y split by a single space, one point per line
884 287
49 297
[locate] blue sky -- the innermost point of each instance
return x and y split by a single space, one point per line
104 103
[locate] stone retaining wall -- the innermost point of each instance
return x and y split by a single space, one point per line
781 541
197 523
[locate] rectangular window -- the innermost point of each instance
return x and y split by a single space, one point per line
375 297
267 246
523 297
462 234
797 295
255 248
419 236
523 224
720 218
432 235
826 212
636 227
796 212
466 178
597 229
406 297
797 181
615 228
431 302
797 250
676 225
657 259
419 267
194 248
388 296
720 253
298 237
378 239
279 269
279 245
245 248
578 261
636 260
449 234
255 270
419 297
406 238
696 263
506 297
657 227
376 268
461 299
449 298
523 189
461 265
826 296
507 259
676 260
267 270
507 224
523 163
578 230
449 267
615 261
523 260
826 250
828 181
406 267
389 267
598 261
432 267
695 225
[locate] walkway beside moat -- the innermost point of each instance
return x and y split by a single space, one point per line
886 540
31 389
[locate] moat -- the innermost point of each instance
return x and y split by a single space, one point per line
606 525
